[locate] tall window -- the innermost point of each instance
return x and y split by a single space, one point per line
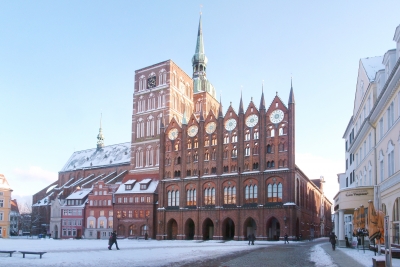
380 128
173 198
139 158
209 196
226 139
274 192
250 194
381 165
229 195
390 159
191 197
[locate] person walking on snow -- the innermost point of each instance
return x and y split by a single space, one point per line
332 239
112 240
286 238
251 238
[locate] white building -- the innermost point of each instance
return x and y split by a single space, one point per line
373 144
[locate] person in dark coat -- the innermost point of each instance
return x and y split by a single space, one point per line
251 238
112 240
332 239
286 238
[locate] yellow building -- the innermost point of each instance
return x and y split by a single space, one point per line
5 207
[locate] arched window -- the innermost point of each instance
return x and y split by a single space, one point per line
247 135
247 150
234 152
191 197
173 198
229 195
206 142
209 195
269 149
281 131
255 135
255 149
274 192
214 154
272 132
226 139
234 138
251 194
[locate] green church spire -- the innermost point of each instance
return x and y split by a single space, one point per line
199 60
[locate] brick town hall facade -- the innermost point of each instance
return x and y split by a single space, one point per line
204 174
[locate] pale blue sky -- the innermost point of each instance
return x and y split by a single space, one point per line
62 63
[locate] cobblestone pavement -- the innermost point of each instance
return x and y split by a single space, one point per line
280 255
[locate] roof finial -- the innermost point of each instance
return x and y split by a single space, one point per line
201 6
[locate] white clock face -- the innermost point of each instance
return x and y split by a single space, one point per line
173 134
210 127
276 116
192 131
252 120
230 124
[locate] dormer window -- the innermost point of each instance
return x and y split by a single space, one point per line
143 186
128 187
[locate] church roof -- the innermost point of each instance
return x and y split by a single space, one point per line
105 156
372 65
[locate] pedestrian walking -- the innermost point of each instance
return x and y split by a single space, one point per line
286 238
113 240
251 238
332 239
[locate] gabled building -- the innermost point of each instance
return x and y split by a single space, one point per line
55 218
14 218
5 207
135 208
99 213
73 213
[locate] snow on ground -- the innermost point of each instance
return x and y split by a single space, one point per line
131 253
320 257
150 253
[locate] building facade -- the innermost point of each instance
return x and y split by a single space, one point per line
99 214
228 176
135 208
15 223
5 207
373 142
73 214
192 172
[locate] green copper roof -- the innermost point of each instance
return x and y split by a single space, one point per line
199 55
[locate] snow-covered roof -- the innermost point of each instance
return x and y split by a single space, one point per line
80 194
136 188
372 65
91 158
44 201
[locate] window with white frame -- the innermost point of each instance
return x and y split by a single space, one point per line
370 173
381 128
390 153
381 165
390 115
1 203
369 142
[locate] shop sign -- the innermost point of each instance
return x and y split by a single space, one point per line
357 193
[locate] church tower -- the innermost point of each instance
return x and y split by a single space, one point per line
204 91
100 137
